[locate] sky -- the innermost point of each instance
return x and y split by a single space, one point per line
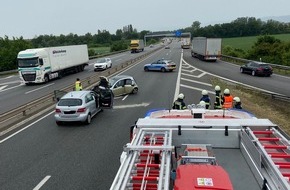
31 18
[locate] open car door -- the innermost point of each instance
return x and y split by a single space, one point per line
105 96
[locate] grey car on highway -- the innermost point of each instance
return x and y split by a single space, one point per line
77 106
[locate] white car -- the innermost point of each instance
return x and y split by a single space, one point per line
102 64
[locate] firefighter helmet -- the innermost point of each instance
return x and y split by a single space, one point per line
204 92
226 91
237 99
217 88
181 96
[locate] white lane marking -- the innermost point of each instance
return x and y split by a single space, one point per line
39 88
131 106
42 183
24 121
9 76
194 81
119 59
11 82
199 89
2 87
124 97
198 76
11 88
177 88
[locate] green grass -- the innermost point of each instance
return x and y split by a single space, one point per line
101 50
246 43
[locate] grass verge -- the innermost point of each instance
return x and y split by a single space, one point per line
261 105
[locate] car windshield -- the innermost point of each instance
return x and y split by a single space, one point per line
112 81
70 102
102 60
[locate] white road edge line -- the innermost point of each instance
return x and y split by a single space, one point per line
125 97
25 127
177 88
42 183
39 88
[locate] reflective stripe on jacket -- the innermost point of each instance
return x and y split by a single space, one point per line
228 102
78 86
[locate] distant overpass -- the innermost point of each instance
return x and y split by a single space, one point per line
185 34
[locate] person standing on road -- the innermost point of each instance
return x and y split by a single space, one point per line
78 85
237 103
218 98
205 98
179 103
227 99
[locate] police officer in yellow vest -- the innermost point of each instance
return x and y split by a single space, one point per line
78 85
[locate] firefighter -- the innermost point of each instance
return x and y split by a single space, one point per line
218 98
179 103
227 99
205 98
237 103
78 85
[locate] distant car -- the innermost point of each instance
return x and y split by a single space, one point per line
77 106
102 64
167 47
257 68
160 65
122 85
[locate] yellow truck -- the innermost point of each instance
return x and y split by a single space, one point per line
136 46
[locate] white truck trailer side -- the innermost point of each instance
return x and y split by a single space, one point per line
43 64
207 49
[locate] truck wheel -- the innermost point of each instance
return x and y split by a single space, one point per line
46 79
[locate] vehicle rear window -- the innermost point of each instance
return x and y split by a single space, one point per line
264 65
70 102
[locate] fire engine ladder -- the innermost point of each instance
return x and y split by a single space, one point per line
147 162
274 148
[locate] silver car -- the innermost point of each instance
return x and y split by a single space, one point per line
77 106
102 64
123 84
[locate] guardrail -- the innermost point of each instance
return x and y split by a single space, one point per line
17 115
241 61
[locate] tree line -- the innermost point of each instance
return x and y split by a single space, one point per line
268 48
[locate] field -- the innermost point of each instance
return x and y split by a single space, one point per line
245 43
101 50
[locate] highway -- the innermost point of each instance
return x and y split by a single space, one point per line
14 93
45 156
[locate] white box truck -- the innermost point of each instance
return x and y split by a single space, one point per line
43 64
207 49
185 43
136 46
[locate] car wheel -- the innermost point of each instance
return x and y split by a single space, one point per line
89 119
163 69
241 70
59 123
253 73
134 91
146 69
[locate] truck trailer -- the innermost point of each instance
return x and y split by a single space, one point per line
206 49
185 43
43 64
136 46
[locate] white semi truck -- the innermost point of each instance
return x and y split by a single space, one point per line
207 49
43 64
